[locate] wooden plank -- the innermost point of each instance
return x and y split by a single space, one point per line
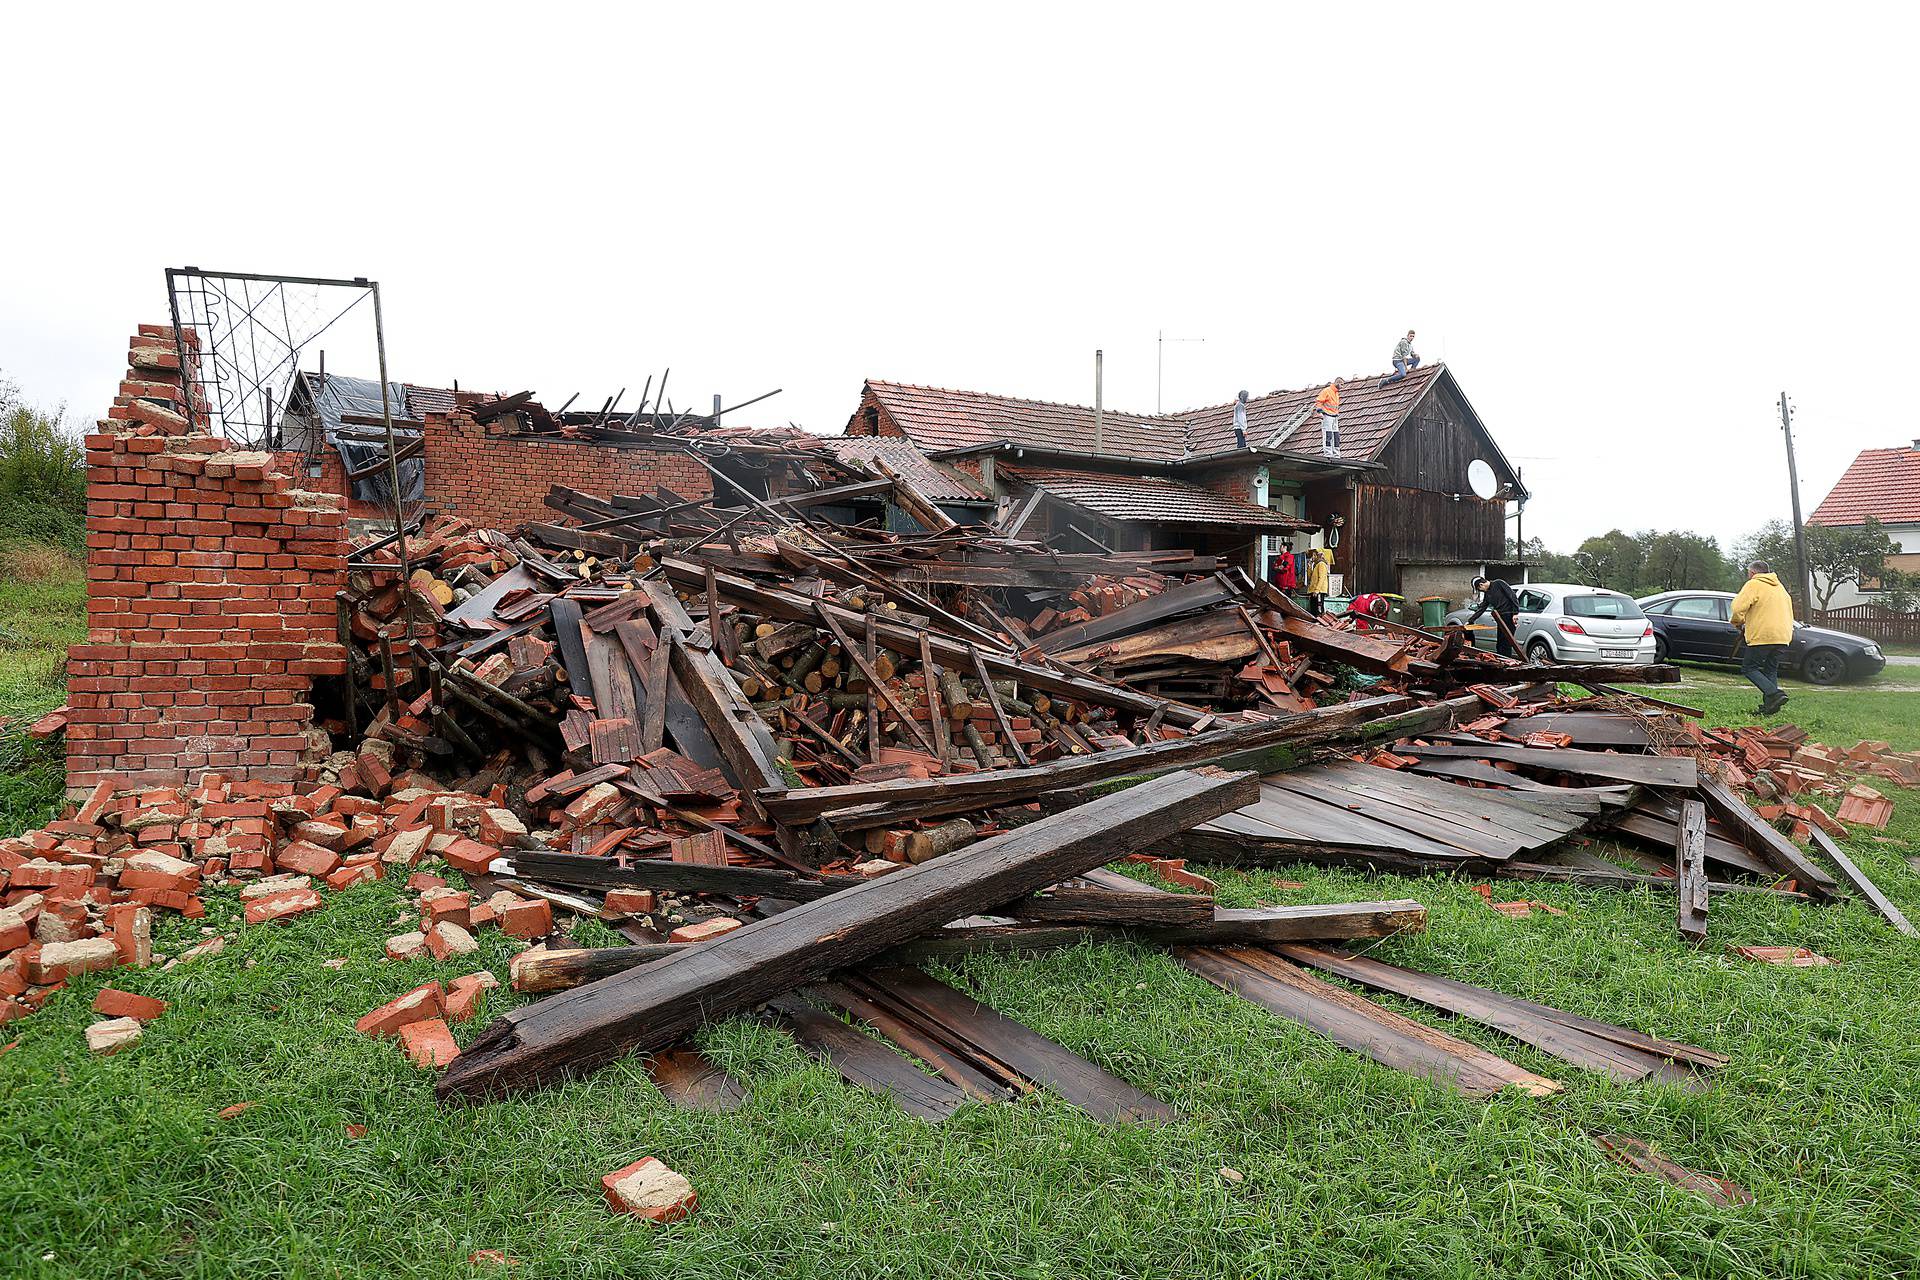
1764 842
737 730
1357 1024
1690 869
1140 615
1001 786
936 714
861 1060
561 969
951 1061
1851 873
573 649
694 1082
583 872
1652 771
1493 1009
999 711
662 1003
1586 728
648 659
1649 824
1096 1091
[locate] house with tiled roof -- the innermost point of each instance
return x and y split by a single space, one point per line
1398 506
1883 484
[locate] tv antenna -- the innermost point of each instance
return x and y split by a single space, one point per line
1160 365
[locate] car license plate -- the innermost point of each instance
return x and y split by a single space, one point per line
1616 653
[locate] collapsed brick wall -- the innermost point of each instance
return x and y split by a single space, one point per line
211 578
502 481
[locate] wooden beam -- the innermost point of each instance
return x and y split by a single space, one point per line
1854 876
657 1006
1690 867
1764 842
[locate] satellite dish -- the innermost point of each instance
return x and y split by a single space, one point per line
1481 480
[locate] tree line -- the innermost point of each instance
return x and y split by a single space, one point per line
43 475
1653 560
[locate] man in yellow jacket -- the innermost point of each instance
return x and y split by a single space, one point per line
1764 612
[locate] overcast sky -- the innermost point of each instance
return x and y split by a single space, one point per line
1627 227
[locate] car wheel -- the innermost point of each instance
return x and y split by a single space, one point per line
1823 666
1659 648
1540 651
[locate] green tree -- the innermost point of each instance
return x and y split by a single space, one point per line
43 476
1676 560
1612 560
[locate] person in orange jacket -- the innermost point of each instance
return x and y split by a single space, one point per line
1329 403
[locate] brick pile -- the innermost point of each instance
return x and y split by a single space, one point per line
210 604
82 894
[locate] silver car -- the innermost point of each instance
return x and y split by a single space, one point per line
1566 622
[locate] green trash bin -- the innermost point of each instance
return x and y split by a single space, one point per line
1433 610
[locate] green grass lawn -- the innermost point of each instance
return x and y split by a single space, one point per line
120 1166
43 600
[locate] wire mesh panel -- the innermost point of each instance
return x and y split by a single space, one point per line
254 334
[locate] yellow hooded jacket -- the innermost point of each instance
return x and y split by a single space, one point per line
1318 562
1765 610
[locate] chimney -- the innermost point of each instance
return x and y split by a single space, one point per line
1099 400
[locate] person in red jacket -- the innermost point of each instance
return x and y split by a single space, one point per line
1365 607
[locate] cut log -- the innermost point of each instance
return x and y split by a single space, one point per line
659 1005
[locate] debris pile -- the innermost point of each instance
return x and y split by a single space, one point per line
789 759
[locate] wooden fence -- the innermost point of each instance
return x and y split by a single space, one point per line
1873 622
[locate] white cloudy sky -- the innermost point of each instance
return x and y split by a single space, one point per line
1628 227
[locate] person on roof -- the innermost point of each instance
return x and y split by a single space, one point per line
1497 598
1764 612
1240 420
1405 360
1319 579
1329 402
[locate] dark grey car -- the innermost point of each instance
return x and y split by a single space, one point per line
1696 626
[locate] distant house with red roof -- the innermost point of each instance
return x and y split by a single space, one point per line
1397 505
1884 484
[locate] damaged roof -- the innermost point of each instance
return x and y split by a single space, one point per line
937 482
1369 415
1882 483
1150 499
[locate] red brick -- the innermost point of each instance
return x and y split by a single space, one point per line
529 918
429 1043
418 1005
125 1004
648 1189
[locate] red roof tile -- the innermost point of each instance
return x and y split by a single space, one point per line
1369 415
938 418
941 484
1882 483
1147 499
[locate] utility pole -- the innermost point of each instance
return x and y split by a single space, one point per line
1799 528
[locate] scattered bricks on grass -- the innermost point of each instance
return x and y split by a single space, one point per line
113 1035
58 961
428 1043
228 1113
447 940
470 856
407 946
353 873
113 1003
407 847
283 905
417 1005
526 918
648 1189
704 929
451 906
463 997
306 859
420 882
